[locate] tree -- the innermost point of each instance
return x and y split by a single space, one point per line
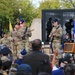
9 10
8 7
69 4
48 4
28 11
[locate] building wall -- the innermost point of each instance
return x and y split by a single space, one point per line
37 32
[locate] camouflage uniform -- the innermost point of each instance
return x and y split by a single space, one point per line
56 43
5 41
19 42
14 42
25 41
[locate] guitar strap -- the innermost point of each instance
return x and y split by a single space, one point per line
25 30
53 36
24 33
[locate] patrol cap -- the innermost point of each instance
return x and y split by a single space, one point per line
56 20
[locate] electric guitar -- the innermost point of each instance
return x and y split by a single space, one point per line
52 36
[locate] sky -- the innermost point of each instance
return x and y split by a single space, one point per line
36 2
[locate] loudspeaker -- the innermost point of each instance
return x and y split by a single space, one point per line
69 47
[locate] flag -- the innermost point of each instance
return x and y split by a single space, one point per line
20 17
10 27
74 31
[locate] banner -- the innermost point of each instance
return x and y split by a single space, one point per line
74 31
10 27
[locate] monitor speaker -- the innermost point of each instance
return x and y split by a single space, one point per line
69 47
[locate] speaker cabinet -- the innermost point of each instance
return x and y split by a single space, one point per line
69 47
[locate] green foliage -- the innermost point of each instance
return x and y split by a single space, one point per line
9 10
48 4
28 11
55 4
67 5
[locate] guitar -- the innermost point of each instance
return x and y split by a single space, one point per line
52 34
52 37
27 34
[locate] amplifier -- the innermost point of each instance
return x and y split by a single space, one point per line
69 47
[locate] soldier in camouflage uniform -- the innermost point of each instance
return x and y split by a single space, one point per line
25 36
6 40
14 41
17 39
56 35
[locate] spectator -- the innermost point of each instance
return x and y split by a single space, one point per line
68 58
5 54
1 67
65 39
20 57
35 57
56 70
49 28
4 58
7 66
14 65
1 74
69 69
69 26
24 68
12 71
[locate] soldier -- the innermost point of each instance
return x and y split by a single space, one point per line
18 40
69 25
25 33
56 35
13 35
5 40
49 28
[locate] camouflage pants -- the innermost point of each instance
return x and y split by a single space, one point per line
14 50
19 47
56 46
26 45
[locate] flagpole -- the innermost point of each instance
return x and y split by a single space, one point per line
10 25
20 17
74 30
